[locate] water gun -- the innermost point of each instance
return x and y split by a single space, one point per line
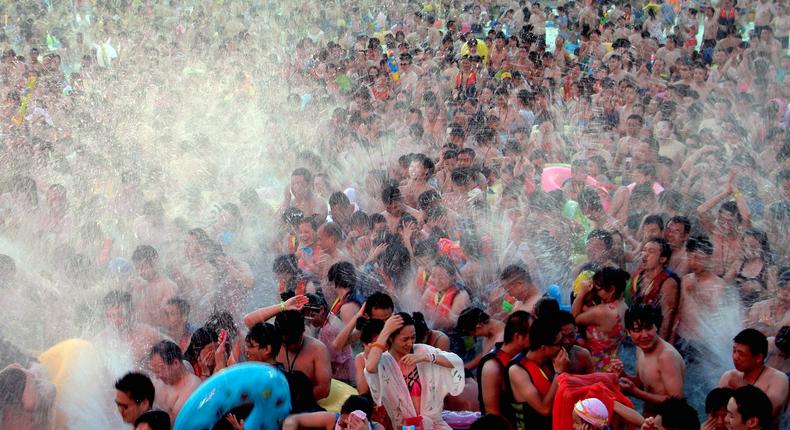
392 63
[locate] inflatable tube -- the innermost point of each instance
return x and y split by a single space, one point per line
257 383
554 176
338 393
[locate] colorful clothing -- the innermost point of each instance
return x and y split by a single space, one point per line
603 345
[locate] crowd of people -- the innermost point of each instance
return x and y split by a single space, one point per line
553 215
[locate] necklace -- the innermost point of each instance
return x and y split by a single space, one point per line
758 376
290 364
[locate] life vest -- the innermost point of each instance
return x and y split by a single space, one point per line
471 79
340 301
503 358
524 416
650 295
441 302
422 279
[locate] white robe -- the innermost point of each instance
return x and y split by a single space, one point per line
388 387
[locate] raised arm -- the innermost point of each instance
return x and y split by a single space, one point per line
264 314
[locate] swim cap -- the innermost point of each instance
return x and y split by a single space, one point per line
592 411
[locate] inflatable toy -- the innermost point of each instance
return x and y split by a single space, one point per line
339 392
259 384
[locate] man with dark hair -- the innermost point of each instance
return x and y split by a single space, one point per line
341 209
291 280
655 285
134 395
674 414
749 350
474 322
394 207
176 321
300 195
263 343
580 360
659 367
330 238
153 420
491 370
725 232
749 408
716 408
152 289
174 383
122 330
676 234
517 292
531 388
300 353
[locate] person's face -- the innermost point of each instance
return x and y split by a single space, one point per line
394 207
299 186
644 337
719 419
651 231
146 270
651 256
675 234
416 170
440 279
117 315
743 359
734 419
727 222
596 250
380 314
633 127
306 234
379 227
568 335
128 408
161 370
193 249
403 342
516 287
325 241
698 262
464 160
555 348
173 318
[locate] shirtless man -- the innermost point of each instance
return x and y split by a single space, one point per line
474 322
519 293
27 398
659 366
176 321
655 285
134 395
299 352
702 294
750 347
492 367
197 278
725 232
676 233
394 208
121 332
300 195
330 237
152 290
174 383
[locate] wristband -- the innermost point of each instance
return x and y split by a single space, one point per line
378 345
282 306
737 194
433 358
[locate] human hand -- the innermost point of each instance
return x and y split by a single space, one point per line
649 424
296 303
236 424
355 422
587 287
393 323
617 367
561 361
378 250
412 359
627 385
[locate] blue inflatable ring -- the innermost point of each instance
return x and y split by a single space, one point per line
257 383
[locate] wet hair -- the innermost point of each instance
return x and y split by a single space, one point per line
292 216
370 328
220 320
717 399
603 235
731 207
168 350
312 220
515 271
682 220
546 307
265 334
543 332
491 421
378 300
13 382
360 218
117 298
517 323
303 172
421 327
333 230
357 403
612 278
753 403
643 316
447 264
338 198
377 218
666 250
291 325
286 263
677 414
426 162
156 420
343 275
700 244
590 200
427 198
145 253
470 318
180 304
199 339
407 321
137 386
754 339
654 220
391 194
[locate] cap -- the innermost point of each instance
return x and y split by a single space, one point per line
592 411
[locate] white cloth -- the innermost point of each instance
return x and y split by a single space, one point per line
388 387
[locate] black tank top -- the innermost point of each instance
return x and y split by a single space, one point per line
503 359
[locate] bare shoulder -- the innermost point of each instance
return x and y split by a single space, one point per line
670 356
727 378
314 345
778 378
